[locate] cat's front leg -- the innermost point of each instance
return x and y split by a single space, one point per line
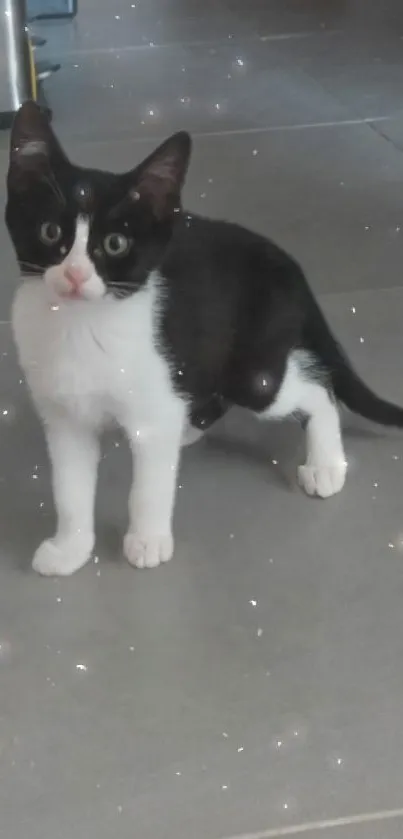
149 540
74 454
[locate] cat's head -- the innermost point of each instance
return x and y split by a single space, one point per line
90 234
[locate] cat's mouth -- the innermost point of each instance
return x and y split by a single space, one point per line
88 290
72 294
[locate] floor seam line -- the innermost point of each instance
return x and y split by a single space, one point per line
299 126
233 132
236 40
325 824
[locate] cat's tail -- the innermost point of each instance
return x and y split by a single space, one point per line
359 398
348 387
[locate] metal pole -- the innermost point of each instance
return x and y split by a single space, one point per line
17 53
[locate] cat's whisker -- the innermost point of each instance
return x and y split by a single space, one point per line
28 262
27 268
120 295
56 188
33 265
52 182
122 287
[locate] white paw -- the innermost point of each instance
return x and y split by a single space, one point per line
148 552
61 557
191 435
323 480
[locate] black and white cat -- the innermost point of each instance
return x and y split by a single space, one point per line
137 313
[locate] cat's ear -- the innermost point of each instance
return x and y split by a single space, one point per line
160 178
34 148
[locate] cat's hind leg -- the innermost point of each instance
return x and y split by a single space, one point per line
305 391
191 435
202 417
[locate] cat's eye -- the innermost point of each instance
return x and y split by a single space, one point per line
50 233
116 244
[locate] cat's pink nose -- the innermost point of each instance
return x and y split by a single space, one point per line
75 276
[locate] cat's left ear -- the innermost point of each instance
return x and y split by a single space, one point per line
34 148
160 178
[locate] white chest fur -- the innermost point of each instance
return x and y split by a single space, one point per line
95 359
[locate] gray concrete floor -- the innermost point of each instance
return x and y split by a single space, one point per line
256 682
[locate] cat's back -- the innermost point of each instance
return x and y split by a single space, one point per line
208 240
220 256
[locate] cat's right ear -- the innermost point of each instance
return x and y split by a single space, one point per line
34 148
160 178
